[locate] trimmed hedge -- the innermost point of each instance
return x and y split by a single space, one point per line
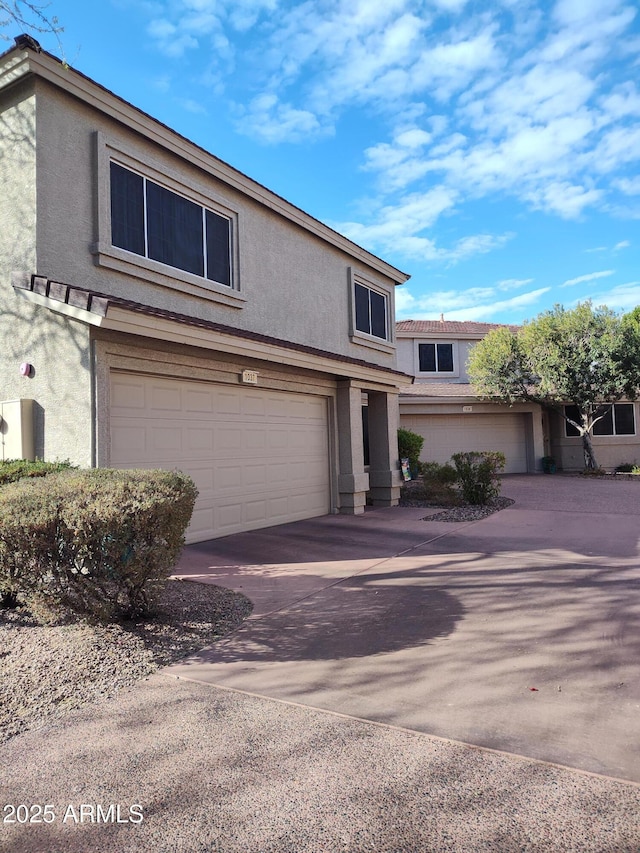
100 541
12 470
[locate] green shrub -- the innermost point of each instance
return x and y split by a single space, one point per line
437 484
409 447
100 541
12 470
625 468
445 474
479 475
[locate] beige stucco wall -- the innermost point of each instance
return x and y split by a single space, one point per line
296 285
609 450
407 349
57 348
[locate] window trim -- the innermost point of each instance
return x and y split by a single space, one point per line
114 258
364 338
438 374
614 434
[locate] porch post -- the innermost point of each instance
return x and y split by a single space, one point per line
353 482
384 470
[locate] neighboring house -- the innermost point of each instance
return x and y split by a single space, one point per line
444 408
178 314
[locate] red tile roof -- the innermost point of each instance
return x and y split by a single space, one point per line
439 389
99 303
449 327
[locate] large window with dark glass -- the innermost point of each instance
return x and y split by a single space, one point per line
154 222
435 358
371 312
619 419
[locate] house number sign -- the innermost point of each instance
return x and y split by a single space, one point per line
250 377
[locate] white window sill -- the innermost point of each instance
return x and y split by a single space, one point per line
146 269
372 342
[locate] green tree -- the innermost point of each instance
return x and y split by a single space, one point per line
583 356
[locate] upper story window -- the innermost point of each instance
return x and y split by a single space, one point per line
153 222
435 358
619 420
371 312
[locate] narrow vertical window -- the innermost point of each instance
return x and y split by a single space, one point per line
371 312
218 248
174 230
127 210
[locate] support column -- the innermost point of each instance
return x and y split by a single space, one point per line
384 466
353 482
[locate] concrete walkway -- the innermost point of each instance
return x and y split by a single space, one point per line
518 632
330 721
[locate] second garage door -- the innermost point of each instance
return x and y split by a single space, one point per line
445 435
258 457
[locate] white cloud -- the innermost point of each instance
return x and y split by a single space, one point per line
592 276
629 186
565 200
472 101
513 283
271 122
474 303
624 297
623 244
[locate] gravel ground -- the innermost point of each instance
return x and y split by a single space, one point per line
413 494
221 772
51 663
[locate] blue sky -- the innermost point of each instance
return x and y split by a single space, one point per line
489 149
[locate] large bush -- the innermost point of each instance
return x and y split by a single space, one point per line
479 475
100 541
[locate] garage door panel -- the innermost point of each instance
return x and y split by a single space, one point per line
166 399
258 457
253 405
445 435
198 401
199 440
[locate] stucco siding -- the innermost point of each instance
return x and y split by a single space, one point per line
296 285
57 348
407 353
609 450
17 182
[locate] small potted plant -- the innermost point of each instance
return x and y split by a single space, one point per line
548 465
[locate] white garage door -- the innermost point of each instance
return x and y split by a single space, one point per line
445 435
258 457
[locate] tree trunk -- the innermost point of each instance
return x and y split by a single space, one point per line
587 448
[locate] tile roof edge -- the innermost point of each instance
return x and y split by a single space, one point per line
99 303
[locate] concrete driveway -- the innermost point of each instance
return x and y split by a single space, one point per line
519 632
336 719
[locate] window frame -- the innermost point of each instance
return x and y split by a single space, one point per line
367 338
140 266
440 374
613 434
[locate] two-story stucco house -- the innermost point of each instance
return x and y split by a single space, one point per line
161 309
444 408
